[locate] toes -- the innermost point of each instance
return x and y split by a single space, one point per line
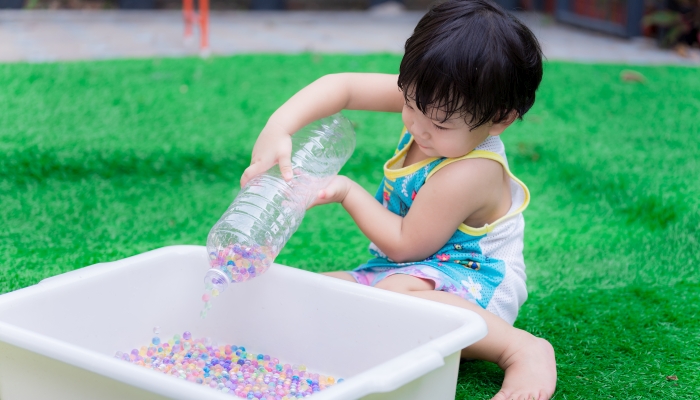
501 395
544 395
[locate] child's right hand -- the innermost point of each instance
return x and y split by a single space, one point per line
274 146
325 96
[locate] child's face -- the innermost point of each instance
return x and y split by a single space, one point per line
452 138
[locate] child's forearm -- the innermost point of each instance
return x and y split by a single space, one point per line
380 225
326 96
333 93
323 97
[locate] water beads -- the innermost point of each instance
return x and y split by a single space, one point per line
240 263
235 263
229 369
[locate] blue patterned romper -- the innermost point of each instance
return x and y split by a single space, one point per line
483 265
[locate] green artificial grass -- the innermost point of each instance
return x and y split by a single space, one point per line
104 160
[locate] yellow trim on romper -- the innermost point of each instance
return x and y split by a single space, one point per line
392 174
490 156
403 131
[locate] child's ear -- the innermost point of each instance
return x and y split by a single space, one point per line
498 127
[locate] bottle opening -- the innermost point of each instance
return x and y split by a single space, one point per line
215 279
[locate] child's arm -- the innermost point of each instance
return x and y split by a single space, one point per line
458 192
326 96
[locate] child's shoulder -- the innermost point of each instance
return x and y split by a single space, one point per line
483 164
474 190
477 186
476 171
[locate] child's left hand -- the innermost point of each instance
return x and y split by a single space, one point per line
335 192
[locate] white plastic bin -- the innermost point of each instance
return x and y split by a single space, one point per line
58 338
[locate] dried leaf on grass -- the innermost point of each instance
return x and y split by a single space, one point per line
632 76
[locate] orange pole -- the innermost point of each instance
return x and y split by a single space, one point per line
204 26
188 15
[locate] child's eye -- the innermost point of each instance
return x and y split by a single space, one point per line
442 128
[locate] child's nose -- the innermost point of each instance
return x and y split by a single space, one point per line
420 129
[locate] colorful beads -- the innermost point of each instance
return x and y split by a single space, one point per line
240 263
229 369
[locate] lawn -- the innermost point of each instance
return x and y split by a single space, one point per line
105 160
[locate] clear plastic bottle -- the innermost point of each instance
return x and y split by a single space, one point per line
268 210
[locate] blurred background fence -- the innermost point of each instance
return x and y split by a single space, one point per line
671 23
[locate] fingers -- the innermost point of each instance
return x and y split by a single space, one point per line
335 191
252 171
286 167
332 193
259 167
328 194
273 146
324 196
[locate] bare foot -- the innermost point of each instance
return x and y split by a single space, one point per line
531 370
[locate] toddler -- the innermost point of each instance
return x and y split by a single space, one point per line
446 223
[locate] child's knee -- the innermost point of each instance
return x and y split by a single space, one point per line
404 283
340 275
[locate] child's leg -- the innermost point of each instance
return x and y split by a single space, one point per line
340 275
528 361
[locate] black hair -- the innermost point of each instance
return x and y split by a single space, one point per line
473 58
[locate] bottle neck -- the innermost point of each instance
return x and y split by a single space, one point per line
216 279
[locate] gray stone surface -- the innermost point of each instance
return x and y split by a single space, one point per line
43 36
